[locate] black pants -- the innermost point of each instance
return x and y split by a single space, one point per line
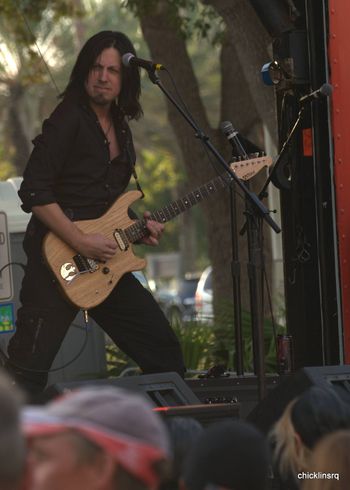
130 316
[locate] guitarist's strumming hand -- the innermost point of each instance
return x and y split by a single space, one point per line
97 246
155 231
93 245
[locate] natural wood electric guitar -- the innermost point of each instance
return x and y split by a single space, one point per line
86 282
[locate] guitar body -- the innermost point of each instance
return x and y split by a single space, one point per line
90 288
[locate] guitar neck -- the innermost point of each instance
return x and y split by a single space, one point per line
138 230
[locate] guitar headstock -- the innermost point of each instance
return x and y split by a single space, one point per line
246 169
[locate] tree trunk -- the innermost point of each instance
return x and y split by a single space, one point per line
244 99
164 39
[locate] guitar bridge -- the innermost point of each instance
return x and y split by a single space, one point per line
121 240
85 264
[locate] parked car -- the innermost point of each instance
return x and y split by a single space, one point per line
178 305
204 297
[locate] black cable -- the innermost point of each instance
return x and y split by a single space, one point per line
2 353
6 358
36 44
182 102
209 156
272 316
179 95
47 371
12 263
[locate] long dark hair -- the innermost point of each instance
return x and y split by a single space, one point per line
128 100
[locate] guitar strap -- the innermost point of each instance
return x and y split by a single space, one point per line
132 158
134 173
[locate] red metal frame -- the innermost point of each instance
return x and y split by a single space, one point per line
339 60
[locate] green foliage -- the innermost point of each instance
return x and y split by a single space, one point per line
22 17
7 170
196 342
205 345
223 350
190 17
117 361
22 23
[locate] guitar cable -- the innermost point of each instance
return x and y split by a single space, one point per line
52 370
6 359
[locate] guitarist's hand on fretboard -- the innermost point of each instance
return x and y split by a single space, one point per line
155 231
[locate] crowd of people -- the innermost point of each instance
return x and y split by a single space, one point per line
104 438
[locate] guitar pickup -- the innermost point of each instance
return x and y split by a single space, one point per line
121 240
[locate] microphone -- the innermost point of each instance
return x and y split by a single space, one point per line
129 59
232 135
324 91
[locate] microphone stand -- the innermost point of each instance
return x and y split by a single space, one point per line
236 284
255 249
262 193
256 210
236 269
255 270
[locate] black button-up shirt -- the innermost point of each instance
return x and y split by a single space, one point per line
70 162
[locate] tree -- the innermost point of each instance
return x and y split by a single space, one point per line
244 48
23 27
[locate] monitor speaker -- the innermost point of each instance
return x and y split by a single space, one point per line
168 392
269 410
162 389
231 389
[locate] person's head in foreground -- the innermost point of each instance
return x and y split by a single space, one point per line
305 421
183 433
98 438
12 442
228 455
330 461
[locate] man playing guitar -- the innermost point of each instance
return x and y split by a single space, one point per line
81 162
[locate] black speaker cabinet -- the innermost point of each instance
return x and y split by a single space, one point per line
231 389
162 389
267 412
168 392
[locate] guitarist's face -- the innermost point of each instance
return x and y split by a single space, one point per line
103 84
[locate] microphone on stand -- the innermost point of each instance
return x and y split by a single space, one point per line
324 91
241 147
129 59
232 136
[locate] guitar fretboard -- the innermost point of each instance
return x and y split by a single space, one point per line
138 230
